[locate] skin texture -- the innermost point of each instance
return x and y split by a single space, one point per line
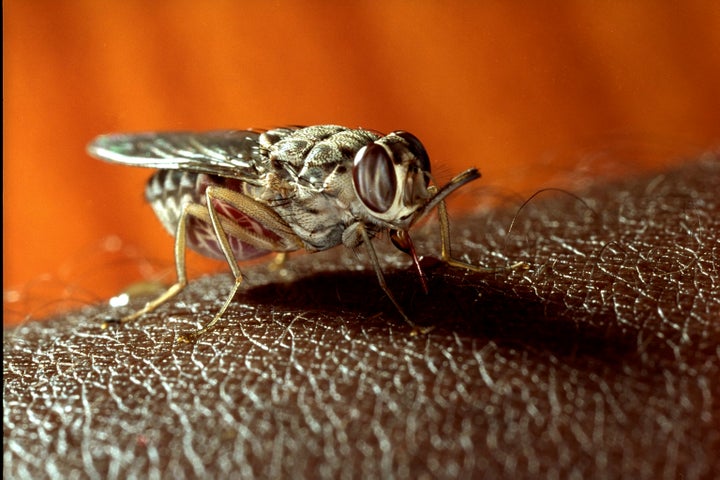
601 360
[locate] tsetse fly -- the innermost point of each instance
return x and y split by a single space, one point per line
240 194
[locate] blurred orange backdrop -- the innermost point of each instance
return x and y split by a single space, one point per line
523 90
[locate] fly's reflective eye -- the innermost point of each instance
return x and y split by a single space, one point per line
374 178
417 149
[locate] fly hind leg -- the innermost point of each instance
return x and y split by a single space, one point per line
286 239
179 266
206 213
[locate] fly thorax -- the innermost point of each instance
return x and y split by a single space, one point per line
391 177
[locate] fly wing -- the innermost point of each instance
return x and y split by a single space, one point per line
228 153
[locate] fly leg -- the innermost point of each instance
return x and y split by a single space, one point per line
222 227
446 252
381 280
179 266
270 220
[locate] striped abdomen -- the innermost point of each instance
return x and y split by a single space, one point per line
169 191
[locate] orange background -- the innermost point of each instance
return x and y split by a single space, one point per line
526 91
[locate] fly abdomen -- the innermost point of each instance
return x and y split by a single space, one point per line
169 191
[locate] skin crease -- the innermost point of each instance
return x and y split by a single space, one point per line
599 361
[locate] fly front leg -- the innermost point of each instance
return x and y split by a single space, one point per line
381 280
446 251
268 218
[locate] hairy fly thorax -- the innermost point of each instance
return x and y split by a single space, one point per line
327 180
314 166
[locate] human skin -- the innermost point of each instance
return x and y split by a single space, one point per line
599 361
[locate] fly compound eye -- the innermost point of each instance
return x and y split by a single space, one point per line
416 148
374 178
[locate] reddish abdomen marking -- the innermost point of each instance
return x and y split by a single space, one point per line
169 190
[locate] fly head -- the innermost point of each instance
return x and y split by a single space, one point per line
391 178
